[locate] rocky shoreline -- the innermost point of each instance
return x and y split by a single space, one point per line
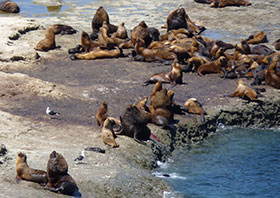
31 80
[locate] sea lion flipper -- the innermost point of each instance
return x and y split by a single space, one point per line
202 119
18 179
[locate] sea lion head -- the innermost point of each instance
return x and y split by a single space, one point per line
223 61
57 163
11 7
22 157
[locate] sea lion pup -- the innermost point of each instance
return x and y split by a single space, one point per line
224 3
98 53
277 44
272 75
213 67
134 125
101 114
177 19
9 6
244 92
63 29
121 32
194 62
24 172
175 76
107 133
259 37
87 44
104 40
97 21
192 106
141 105
140 31
48 43
59 180
150 55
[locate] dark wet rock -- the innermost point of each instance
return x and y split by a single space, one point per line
3 150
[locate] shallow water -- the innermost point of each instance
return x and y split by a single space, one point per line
234 163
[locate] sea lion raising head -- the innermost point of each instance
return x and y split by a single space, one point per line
29 174
107 133
101 114
48 43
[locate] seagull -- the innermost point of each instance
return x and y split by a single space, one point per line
81 159
51 112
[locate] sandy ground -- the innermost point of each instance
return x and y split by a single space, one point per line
29 84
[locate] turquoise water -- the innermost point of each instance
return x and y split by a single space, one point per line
234 163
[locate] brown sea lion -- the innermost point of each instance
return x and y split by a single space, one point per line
272 75
101 114
194 107
134 125
157 87
224 3
170 35
213 67
259 37
97 21
144 109
163 117
161 99
48 43
87 44
121 32
194 63
9 6
107 133
150 55
98 53
24 172
175 76
63 29
244 92
177 19
59 180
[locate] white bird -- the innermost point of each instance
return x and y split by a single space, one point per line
51 112
81 159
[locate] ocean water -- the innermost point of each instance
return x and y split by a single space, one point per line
233 163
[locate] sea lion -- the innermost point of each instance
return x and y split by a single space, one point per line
163 117
121 32
192 106
277 44
97 21
141 105
194 63
48 43
154 33
177 19
162 98
175 76
59 180
24 172
203 1
63 29
259 37
212 67
98 53
272 75
107 133
244 92
101 114
134 125
224 3
9 6
150 55
87 44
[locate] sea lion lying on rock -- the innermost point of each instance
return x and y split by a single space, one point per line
224 3
24 172
48 43
9 6
59 180
272 75
192 106
98 53
63 29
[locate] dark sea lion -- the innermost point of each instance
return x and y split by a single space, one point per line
272 75
154 33
98 53
9 6
212 67
48 43
59 180
192 106
203 1
277 44
101 114
97 21
24 172
107 133
63 29
259 37
224 3
134 125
